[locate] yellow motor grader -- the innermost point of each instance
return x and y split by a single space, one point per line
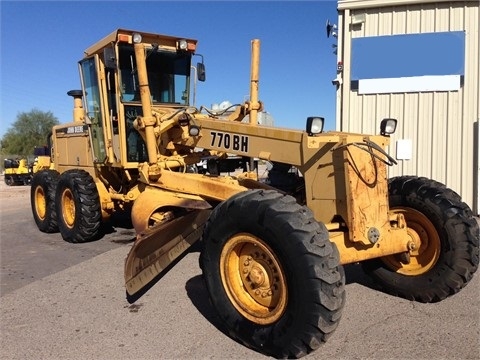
272 249
20 171
17 172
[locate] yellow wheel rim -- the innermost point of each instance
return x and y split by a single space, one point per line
68 208
253 279
426 249
40 203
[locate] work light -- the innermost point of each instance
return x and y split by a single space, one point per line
137 38
388 126
315 125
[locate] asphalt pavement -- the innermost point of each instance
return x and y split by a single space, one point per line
81 313
72 305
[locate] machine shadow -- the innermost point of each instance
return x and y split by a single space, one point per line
120 224
354 274
198 294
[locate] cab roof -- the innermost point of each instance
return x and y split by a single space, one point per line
147 38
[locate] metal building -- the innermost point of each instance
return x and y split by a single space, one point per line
418 62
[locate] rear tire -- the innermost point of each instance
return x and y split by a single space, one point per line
447 237
78 207
42 200
272 274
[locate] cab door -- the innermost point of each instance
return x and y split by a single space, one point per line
93 106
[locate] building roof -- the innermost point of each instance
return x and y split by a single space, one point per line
363 4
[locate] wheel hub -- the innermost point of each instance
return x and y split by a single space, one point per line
253 279
424 246
256 276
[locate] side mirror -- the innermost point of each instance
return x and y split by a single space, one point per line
201 74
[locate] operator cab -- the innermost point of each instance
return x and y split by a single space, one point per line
111 89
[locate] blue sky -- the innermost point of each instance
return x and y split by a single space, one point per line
42 41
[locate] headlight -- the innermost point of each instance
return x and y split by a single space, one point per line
193 130
315 125
182 45
388 126
137 38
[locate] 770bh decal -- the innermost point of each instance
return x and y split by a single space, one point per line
229 141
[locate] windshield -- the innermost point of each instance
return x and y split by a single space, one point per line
168 76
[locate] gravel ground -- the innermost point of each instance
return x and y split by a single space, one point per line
12 191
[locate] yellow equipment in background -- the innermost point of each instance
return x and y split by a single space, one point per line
17 172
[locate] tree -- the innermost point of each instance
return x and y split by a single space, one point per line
29 130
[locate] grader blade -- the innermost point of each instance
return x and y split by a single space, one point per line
153 251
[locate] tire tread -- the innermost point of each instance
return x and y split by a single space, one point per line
47 179
459 235
88 218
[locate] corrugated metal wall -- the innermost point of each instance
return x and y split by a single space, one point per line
442 125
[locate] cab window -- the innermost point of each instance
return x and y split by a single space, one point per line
168 76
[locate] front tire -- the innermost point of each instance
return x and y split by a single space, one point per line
446 236
78 207
42 200
272 274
